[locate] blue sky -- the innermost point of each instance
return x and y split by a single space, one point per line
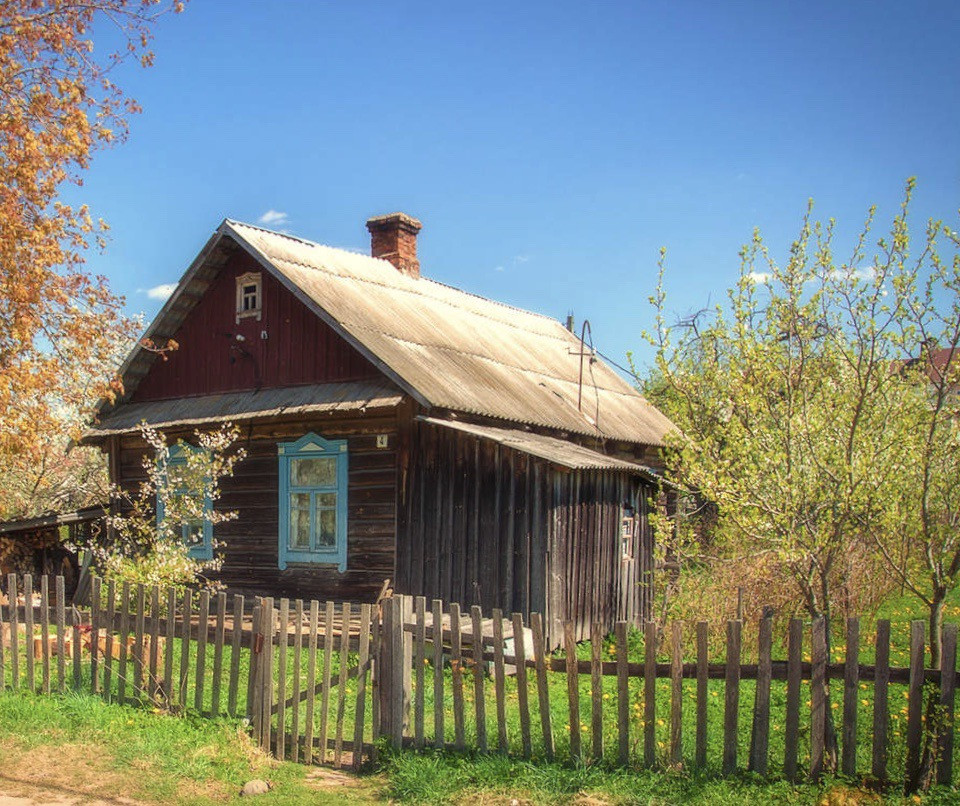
550 148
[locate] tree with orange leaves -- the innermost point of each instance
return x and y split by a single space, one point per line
61 328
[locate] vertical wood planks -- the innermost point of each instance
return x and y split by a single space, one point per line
499 683
792 719
203 620
650 694
295 693
218 640
881 710
818 697
61 634
420 672
543 689
14 631
342 684
914 707
169 690
138 656
108 648
94 634
437 634
375 671
623 695
28 624
124 646
3 660
363 666
154 642
44 631
311 682
703 656
185 650
255 685
236 614
596 690
456 664
851 681
760 735
281 677
77 648
731 703
948 688
266 672
523 693
479 694
573 689
676 695
325 677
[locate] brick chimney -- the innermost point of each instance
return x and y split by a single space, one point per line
393 237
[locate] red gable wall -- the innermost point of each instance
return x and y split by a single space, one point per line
298 349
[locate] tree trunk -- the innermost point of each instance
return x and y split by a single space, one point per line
830 744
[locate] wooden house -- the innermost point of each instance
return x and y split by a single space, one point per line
398 428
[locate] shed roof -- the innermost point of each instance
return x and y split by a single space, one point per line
322 397
558 451
445 347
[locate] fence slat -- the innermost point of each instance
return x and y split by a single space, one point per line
596 690
437 634
881 707
61 634
138 656
363 666
851 682
760 735
203 620
573 690
45 630
948 685
266 672
700 754
325 677
456 664
479 694
818 697
14 631
311 682
184 677
676 696
523 692
543 688
375 726
94 634
499 681
281 743
169 692
650 694
28 624
218 638
420 672
295 690
623 695
154 642
914 708
124 646
236 614
791 734
255 691
3 660
342 684
77 648
109 644
254 658
731 705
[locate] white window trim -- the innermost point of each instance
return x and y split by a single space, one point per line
250 278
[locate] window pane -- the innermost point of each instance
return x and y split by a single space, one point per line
326 528
193 533
300 521
318 472
326 499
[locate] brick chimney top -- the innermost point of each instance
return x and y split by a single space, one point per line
393 237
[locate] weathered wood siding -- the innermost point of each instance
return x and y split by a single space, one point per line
298 349
482 524
251 541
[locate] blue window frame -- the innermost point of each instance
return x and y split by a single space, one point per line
313 501
197 534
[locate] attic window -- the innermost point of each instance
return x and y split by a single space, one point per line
249 296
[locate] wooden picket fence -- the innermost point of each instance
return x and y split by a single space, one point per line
330 682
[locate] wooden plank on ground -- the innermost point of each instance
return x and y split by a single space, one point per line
731 703
124 646
760 735
948 688
218 641
281 743
109 643
543 687
342 683
28 624
523 692
45 631
623 695
914 708
456 664
169 690
438 709
881 708
791 731
311 681
184 676
703 658
650 694
61 634
851 684
596 690
818 697
479 694
573 689
295 683
363 668
419 667
325 677
236 615
203 620
676 696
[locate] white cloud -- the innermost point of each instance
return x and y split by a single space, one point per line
498 268
521 258
273 218
161 292
760 276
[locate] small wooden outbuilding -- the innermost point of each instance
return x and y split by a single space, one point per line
398 428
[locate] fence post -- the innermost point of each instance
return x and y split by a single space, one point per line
389 671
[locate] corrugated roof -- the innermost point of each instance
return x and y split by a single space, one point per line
321 397
447 348
558 451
